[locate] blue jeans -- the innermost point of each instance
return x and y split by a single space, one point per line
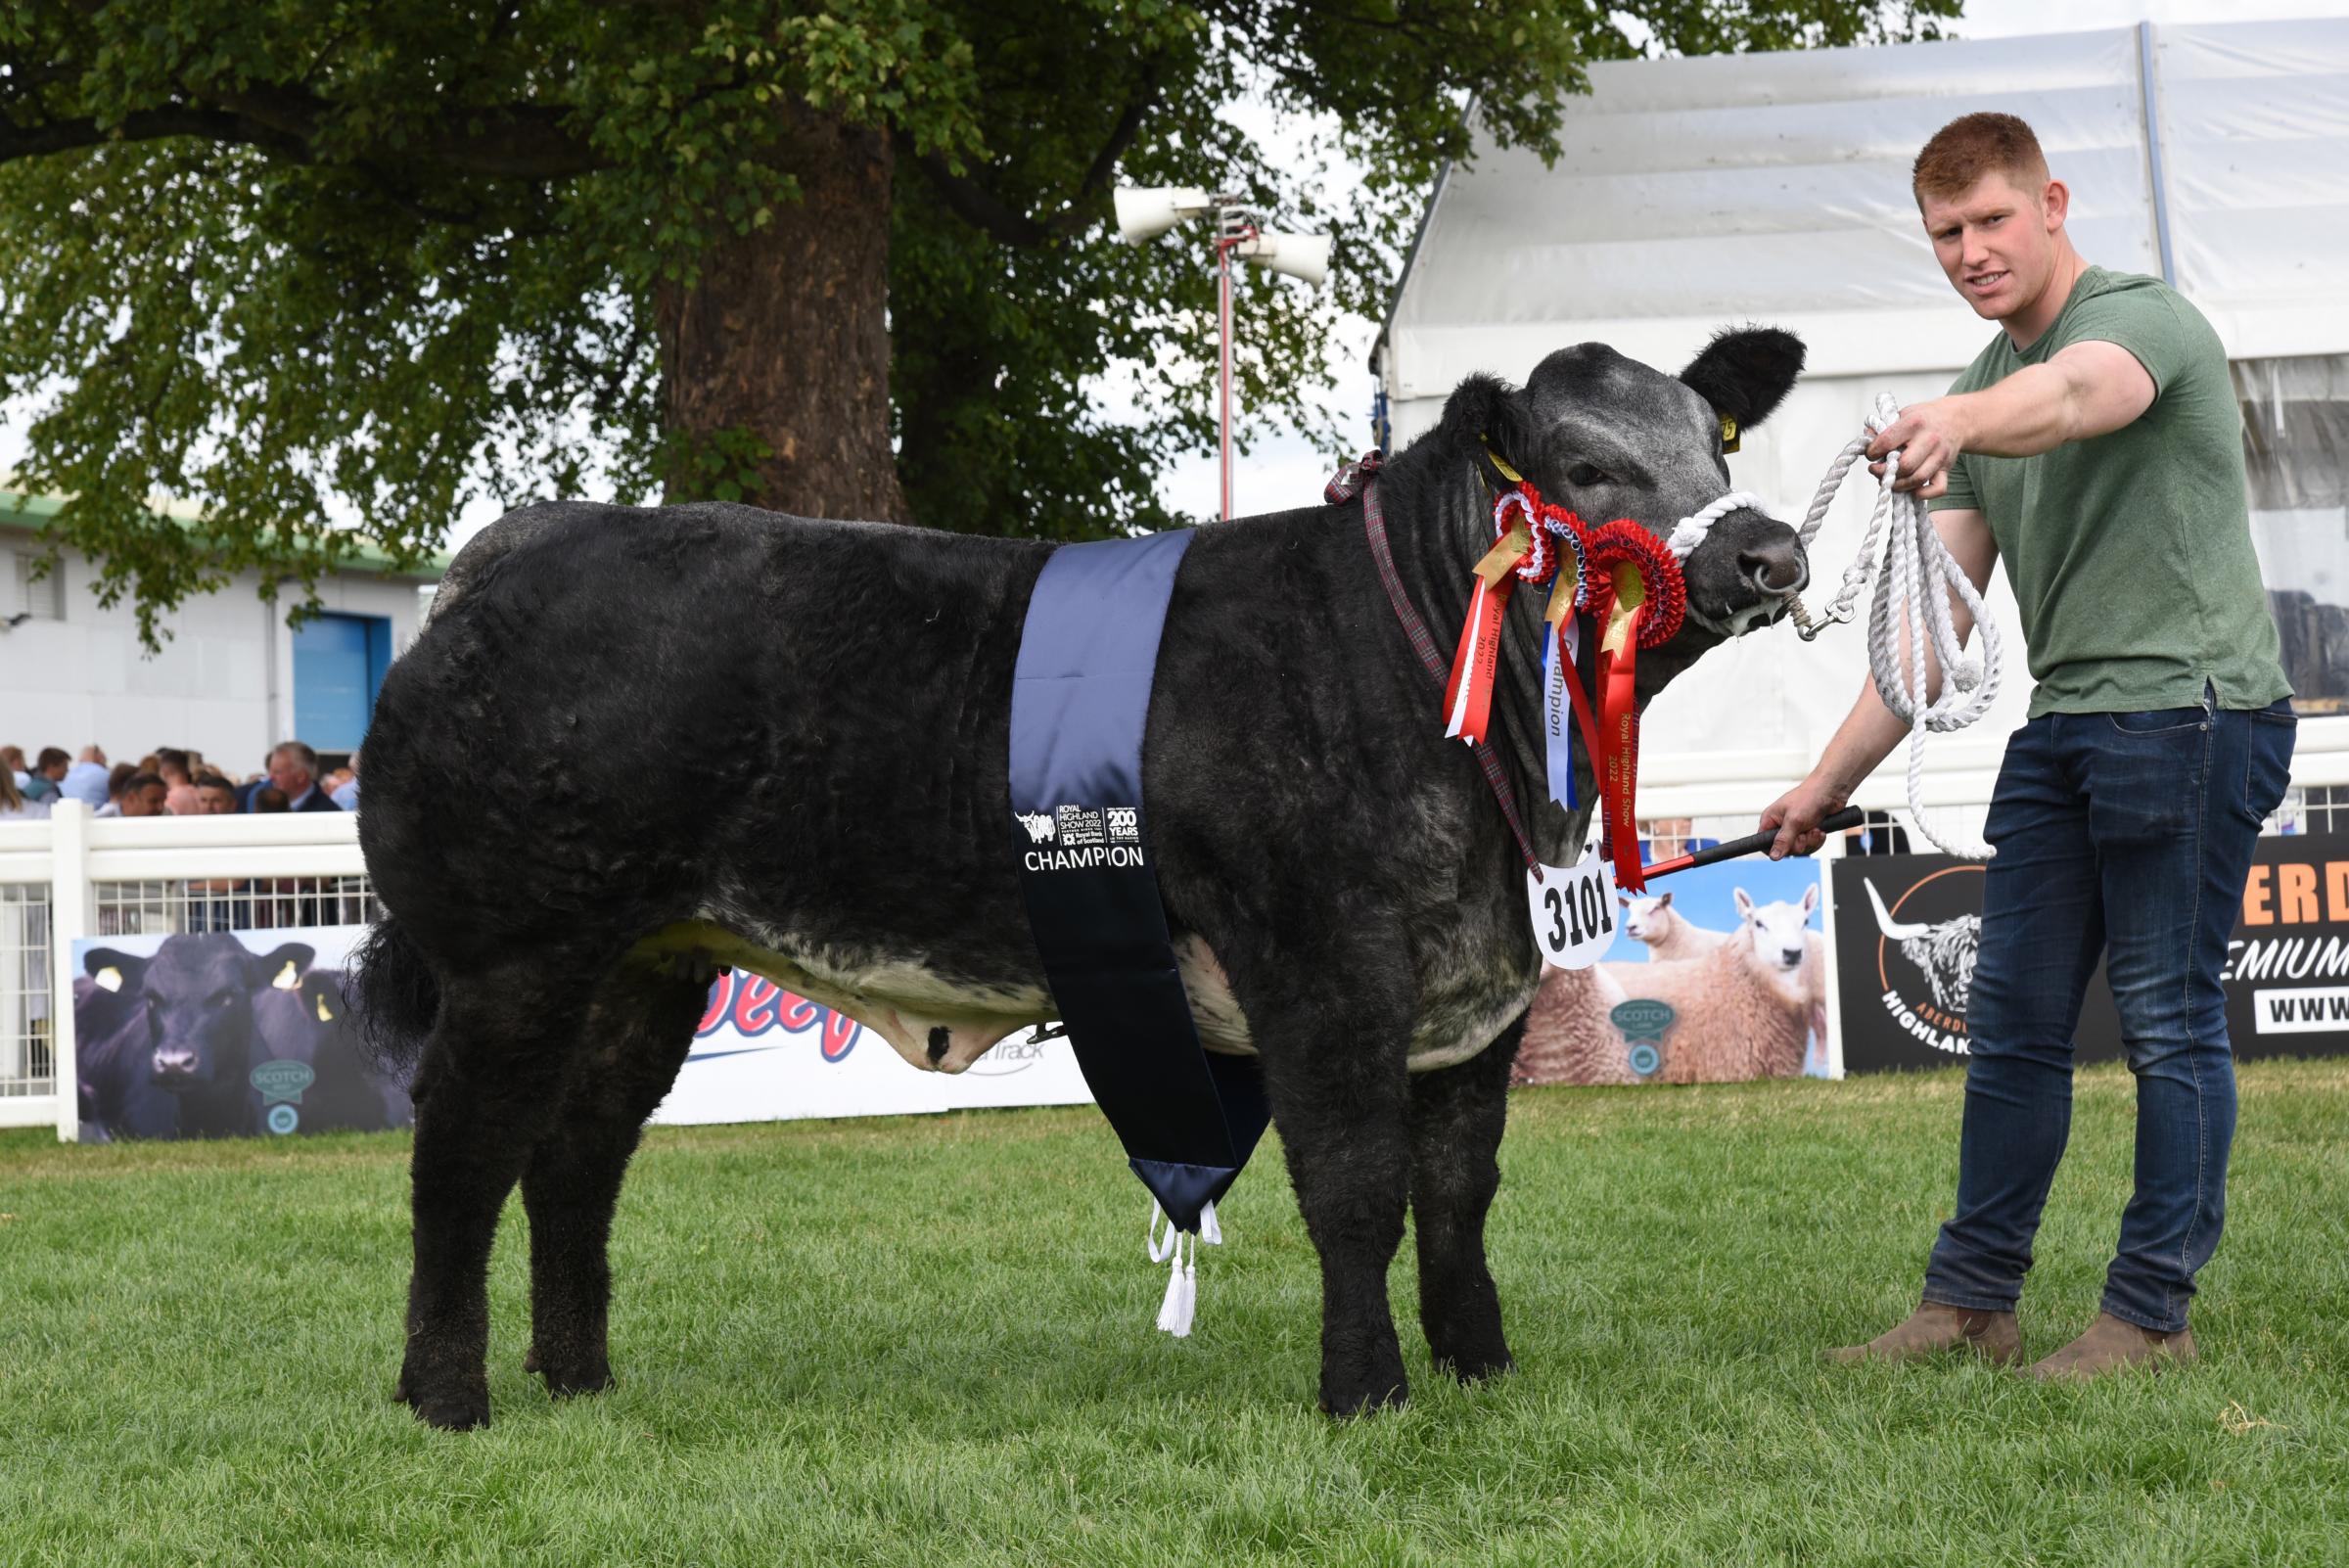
2126 835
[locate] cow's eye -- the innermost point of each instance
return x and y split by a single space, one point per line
1584 474
223 998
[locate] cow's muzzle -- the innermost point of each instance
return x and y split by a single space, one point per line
1746 573
176 1065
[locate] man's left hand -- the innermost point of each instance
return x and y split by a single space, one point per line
1928 440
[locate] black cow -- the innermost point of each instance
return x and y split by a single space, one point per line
632 745
167 1043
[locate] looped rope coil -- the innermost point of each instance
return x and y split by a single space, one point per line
1918 577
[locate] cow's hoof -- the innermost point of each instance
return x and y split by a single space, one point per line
563 1383
529 1359
453 1405
461 1412
1345 1405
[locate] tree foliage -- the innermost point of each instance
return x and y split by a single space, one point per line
333 269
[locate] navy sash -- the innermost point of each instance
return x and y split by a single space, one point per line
1079 703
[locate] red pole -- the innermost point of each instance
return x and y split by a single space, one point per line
1224 330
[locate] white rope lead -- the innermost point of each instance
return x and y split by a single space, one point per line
1919 577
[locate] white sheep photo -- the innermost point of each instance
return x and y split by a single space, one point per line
1745 1002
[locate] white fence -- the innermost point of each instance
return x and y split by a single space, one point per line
74 876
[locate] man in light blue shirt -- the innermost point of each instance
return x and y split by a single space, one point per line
85 781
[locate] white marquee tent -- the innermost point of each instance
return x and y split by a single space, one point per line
1695 193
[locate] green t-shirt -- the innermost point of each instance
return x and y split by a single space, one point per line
2131 553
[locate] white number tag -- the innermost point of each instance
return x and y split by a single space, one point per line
1574 911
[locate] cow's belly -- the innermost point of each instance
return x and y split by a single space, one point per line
1448 1032
937 1024
943 1025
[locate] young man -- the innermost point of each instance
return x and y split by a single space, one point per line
2096 445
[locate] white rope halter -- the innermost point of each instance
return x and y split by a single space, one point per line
1919 578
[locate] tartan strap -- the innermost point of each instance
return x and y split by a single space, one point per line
1364 474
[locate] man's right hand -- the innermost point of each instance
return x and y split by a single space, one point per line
1797 814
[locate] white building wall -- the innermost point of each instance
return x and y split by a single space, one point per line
222 683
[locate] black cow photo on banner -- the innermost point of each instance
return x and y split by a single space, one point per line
1909 926
223 1034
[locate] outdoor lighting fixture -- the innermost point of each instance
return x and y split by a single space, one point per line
1144 212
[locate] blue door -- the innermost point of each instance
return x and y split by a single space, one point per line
338 663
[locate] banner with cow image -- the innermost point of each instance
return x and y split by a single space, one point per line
765 1054
223 1034
1909 929
1719 975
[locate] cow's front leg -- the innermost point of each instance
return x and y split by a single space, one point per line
638 1034
1457 1120
1334 1055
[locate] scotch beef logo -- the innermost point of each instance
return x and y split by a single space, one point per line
1931 935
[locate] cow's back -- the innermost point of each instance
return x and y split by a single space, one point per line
615 714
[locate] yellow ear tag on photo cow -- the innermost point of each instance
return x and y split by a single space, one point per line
324 1016
108 979
286 977
1729 434
1630 592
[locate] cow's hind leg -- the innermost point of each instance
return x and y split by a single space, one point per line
1456 1118
1334 1067
485 1090
638 1033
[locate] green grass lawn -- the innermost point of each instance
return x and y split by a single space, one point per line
929 1341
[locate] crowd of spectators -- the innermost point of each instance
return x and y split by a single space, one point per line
170 782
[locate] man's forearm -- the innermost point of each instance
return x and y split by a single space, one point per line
2032 411
1868 735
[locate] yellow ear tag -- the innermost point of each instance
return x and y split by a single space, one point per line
1729 434
1630 592
287 978
324 1016
1499 464
108 979
1502 557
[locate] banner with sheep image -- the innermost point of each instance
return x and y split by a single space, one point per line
1719 975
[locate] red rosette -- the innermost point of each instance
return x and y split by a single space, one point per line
1624 540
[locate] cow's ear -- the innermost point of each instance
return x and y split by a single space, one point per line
1744 372
112 970
322 996
282 968
1488 419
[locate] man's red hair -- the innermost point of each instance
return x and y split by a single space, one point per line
1973 146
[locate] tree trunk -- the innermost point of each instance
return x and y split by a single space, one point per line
784 337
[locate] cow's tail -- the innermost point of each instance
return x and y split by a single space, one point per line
398 996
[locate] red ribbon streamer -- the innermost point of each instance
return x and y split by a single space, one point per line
1476 663
1616 558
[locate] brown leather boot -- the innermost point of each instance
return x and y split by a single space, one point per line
1934 1329
2114 1344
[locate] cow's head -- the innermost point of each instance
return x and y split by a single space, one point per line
1608 437
195 995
